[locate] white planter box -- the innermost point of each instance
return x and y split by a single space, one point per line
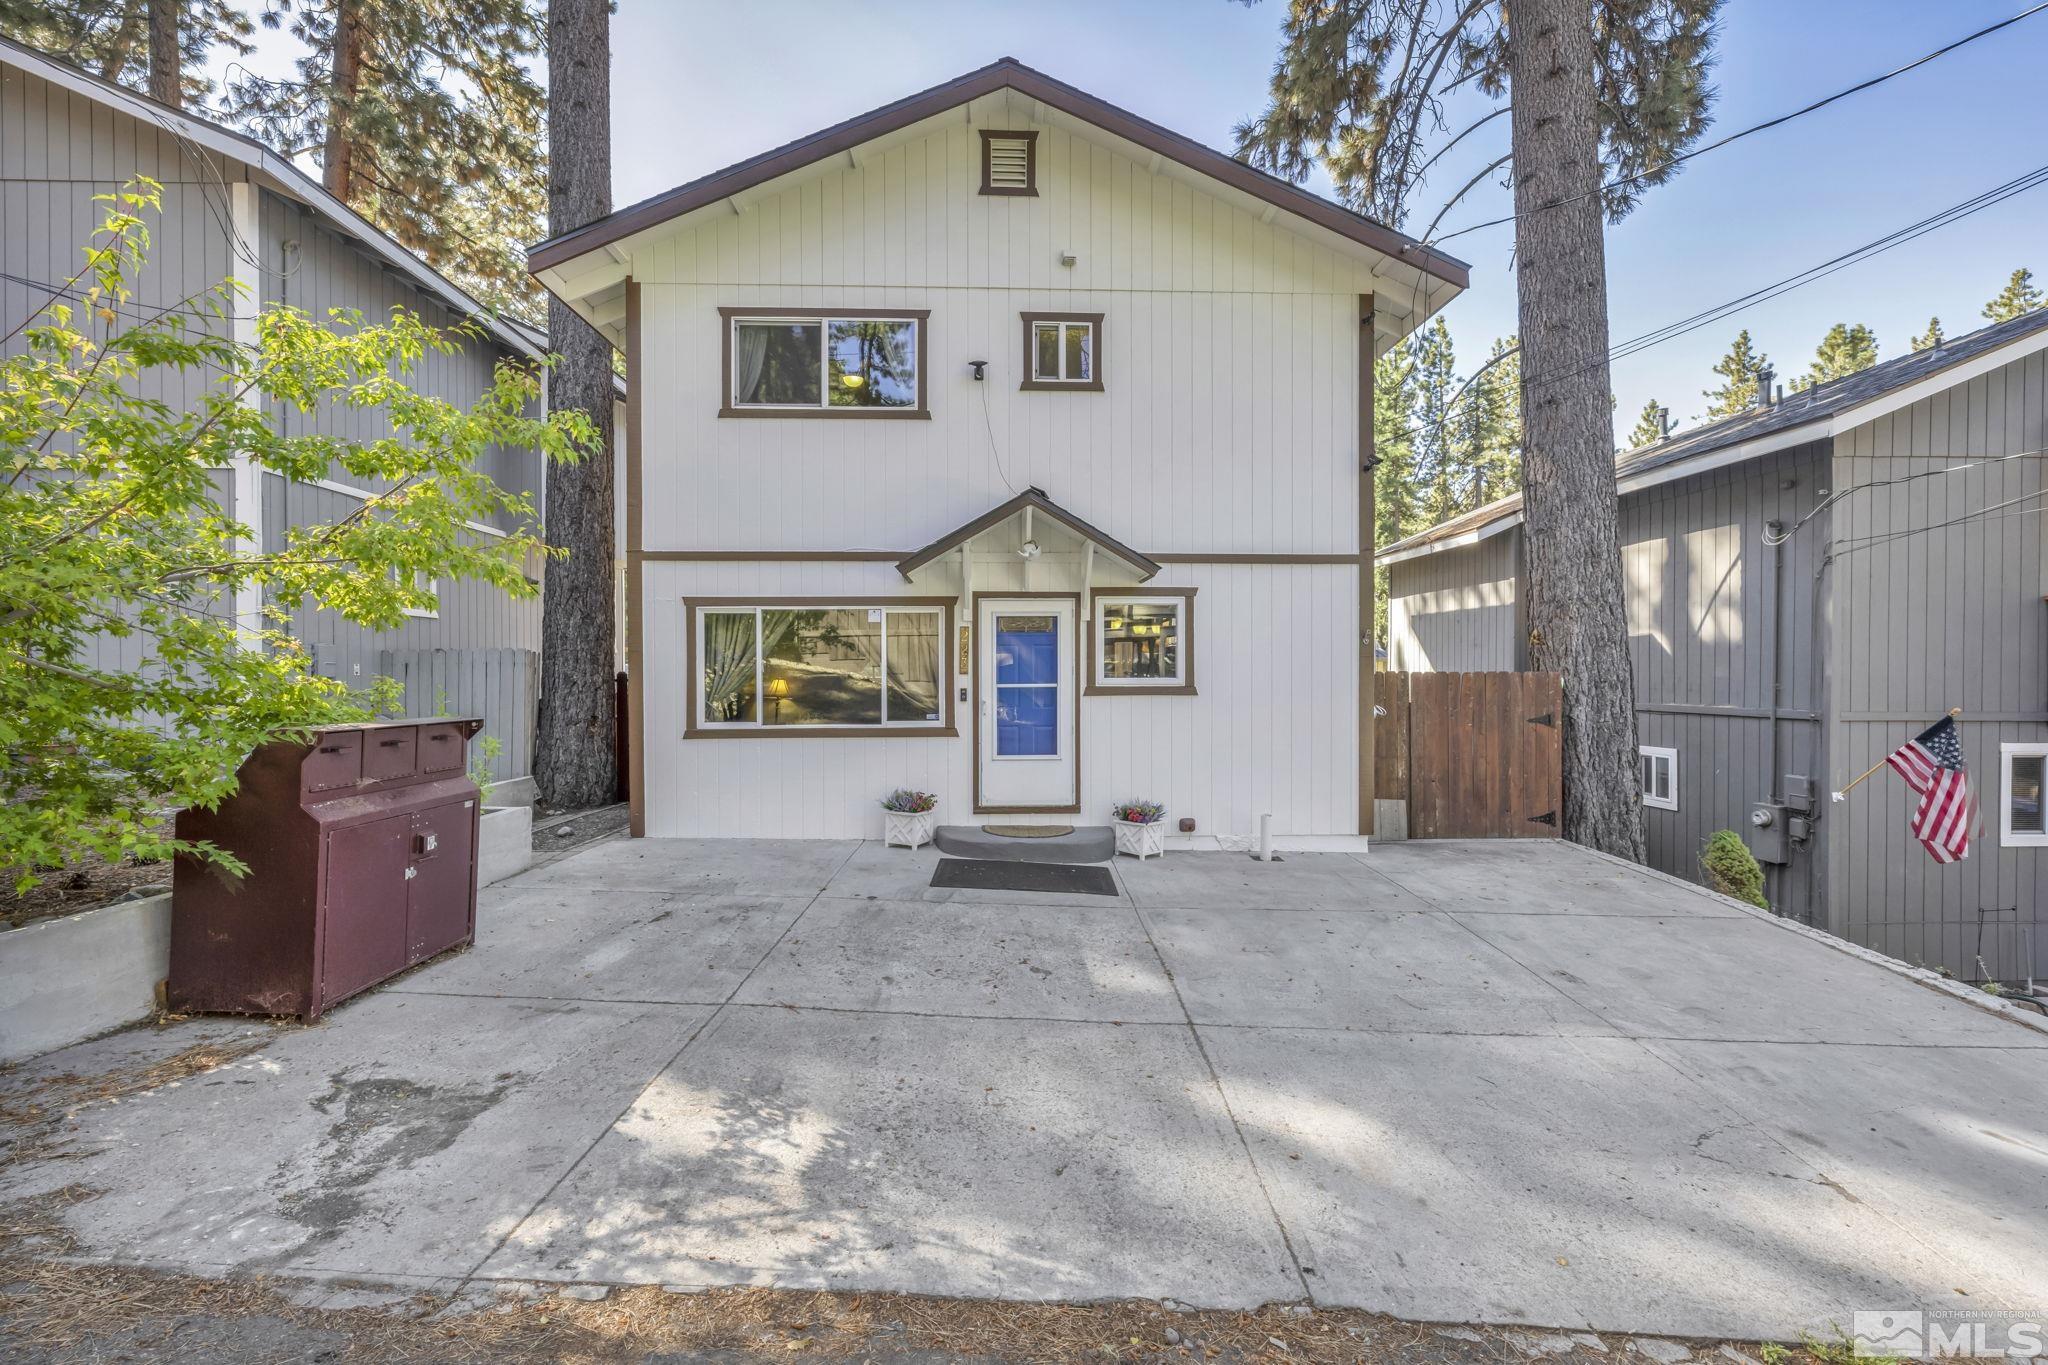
65 980
1141 841
908 829
504 840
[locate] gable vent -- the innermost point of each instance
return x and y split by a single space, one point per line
1009 162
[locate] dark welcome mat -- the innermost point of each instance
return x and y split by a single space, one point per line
995 874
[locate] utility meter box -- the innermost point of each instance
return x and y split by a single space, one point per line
1767 832
361 848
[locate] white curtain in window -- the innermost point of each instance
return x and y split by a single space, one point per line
749 351
728 660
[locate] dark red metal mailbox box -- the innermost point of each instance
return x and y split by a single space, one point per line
361 849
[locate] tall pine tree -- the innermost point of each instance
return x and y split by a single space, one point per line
1396 508
427 122
1741 371
1930 338
124 40
1602 97
1847 348
2019 297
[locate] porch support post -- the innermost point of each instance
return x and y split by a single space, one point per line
1368 681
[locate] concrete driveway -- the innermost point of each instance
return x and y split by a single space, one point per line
1511 1082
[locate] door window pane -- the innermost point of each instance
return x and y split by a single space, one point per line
775 364
821 667
1140 641
728 666
874 364
2027 776
913 665
1027 649
1027 721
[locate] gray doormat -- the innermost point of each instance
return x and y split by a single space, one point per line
992 874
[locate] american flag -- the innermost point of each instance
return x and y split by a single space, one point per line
1932 764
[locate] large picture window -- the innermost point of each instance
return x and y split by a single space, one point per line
817 364
819 666
1143 642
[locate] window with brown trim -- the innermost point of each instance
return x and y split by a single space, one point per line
1141 642
1009 162
784 362
1062 351
822 666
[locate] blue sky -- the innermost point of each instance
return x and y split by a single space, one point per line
697 86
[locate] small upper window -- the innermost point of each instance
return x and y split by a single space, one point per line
1009 162
1062 351
2024 772
1142 641
1660 777
816 364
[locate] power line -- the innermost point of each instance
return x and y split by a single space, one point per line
1831 499
1767 124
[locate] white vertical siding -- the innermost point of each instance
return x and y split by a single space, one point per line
1227 426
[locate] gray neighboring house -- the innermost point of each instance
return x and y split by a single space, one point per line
1911 579
232 207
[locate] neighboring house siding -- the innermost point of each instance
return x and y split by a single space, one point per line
1227 425
1699 581
1455 612
1929 621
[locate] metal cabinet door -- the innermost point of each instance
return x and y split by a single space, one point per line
442 878
363 940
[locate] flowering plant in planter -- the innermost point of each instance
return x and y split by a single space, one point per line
907 817
1140 828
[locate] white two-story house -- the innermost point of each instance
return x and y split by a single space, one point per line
1001 444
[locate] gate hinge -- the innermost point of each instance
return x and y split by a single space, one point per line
1546 718
1548 817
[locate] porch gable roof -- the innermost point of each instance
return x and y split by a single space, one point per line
1034 500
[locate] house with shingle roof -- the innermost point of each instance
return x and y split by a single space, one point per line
1810 583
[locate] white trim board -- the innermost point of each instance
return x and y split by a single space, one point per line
365 494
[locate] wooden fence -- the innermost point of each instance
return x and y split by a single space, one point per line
1474 755
501 685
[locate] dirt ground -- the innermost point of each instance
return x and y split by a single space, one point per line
66 891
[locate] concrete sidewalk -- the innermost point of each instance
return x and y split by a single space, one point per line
1505 1082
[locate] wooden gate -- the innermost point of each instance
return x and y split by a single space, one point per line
1475 755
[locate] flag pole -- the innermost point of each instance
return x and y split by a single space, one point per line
1843 794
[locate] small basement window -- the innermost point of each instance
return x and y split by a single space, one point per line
1660 777
1143 642
1062 351
805 364
822 666
1009 162
2023 771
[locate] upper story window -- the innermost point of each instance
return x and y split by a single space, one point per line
804 363
1063 351
1009 162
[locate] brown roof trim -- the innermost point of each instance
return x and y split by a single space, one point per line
1035 499
1010 73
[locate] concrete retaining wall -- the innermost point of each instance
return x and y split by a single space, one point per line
504 843
62 980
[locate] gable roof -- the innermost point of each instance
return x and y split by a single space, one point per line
275 172
1035 500
1012 74
1812 414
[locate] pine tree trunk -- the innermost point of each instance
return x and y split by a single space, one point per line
574 759
337 163
1577 621
166 60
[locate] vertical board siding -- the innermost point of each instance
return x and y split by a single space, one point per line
1931 617
1226 426
499 685
1273 728
1454 611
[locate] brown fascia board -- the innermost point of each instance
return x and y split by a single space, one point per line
1010 73
1035 499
